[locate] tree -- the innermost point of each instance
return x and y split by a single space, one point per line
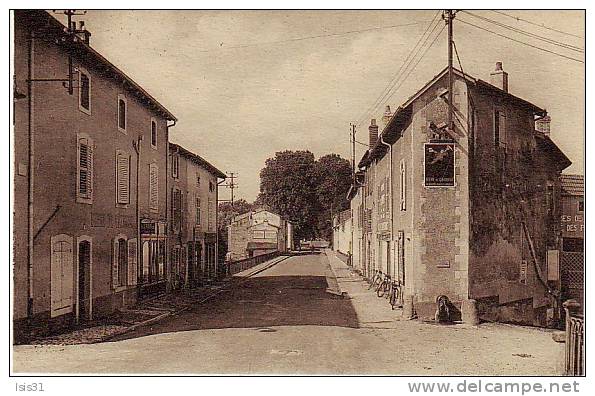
334 178
288 187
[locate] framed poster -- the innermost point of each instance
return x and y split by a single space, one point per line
439 164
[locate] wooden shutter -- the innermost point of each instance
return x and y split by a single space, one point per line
403 185
153 187
122 178
85 168
132 262
61 276
115 275
198 210
502 128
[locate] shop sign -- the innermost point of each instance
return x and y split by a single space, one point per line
439 164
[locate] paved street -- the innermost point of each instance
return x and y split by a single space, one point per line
291 319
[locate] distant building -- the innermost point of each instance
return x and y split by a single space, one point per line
87 138
193 227
258 232
342 232
470 213
572 222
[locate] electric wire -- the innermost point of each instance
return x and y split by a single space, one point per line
533 35
389 91
313 37
537 24
521 42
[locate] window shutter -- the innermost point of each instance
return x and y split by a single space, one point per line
67 275
123 178
403 186
153 187
502 127
198 210
115 275
132 262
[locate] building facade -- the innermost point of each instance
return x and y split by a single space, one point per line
342 232
256 233
193 200
467 212
571 253
85 137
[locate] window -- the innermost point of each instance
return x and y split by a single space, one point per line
197 180
197 202
120 262
84 169
153 187
581 206
211 186
153 134
500 128
176 209
122 178
403 185
210 214
122 113
175 165
84 91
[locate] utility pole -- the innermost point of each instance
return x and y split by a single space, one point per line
232 185
449 15
353 152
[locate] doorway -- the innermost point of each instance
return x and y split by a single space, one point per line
84 280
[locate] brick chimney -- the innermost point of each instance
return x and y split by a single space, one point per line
499 78
386 116
543 125
373 128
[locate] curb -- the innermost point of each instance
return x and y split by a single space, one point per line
339 292
186 308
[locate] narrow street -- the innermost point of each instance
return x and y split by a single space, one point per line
291 319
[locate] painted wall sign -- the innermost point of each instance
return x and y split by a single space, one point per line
147 228
439 164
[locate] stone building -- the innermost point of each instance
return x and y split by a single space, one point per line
572 246
193 200
90 149
258 232
342 232
467 213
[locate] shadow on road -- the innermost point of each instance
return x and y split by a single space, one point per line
262 302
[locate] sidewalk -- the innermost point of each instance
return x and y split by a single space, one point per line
151 310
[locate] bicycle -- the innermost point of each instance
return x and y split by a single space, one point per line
396 295
376 280
384 286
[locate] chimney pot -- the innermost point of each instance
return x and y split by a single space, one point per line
499 78
373 129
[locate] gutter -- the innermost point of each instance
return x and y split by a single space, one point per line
390 182
167 253
30 174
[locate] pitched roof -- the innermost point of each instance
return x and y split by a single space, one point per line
197 159
572 185
390 132
40 19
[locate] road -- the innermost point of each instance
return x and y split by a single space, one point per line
285 320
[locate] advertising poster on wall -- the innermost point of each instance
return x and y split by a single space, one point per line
439 164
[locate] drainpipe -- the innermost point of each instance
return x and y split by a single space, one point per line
31 185
139 245
390 183
167 253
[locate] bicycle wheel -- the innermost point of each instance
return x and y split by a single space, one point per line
381 289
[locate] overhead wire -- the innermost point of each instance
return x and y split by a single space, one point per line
397 75
312 37
537 24
521 42
526 33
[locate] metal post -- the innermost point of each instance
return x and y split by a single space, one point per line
449 18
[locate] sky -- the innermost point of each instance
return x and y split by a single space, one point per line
246 84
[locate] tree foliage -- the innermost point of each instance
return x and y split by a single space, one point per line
305 191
